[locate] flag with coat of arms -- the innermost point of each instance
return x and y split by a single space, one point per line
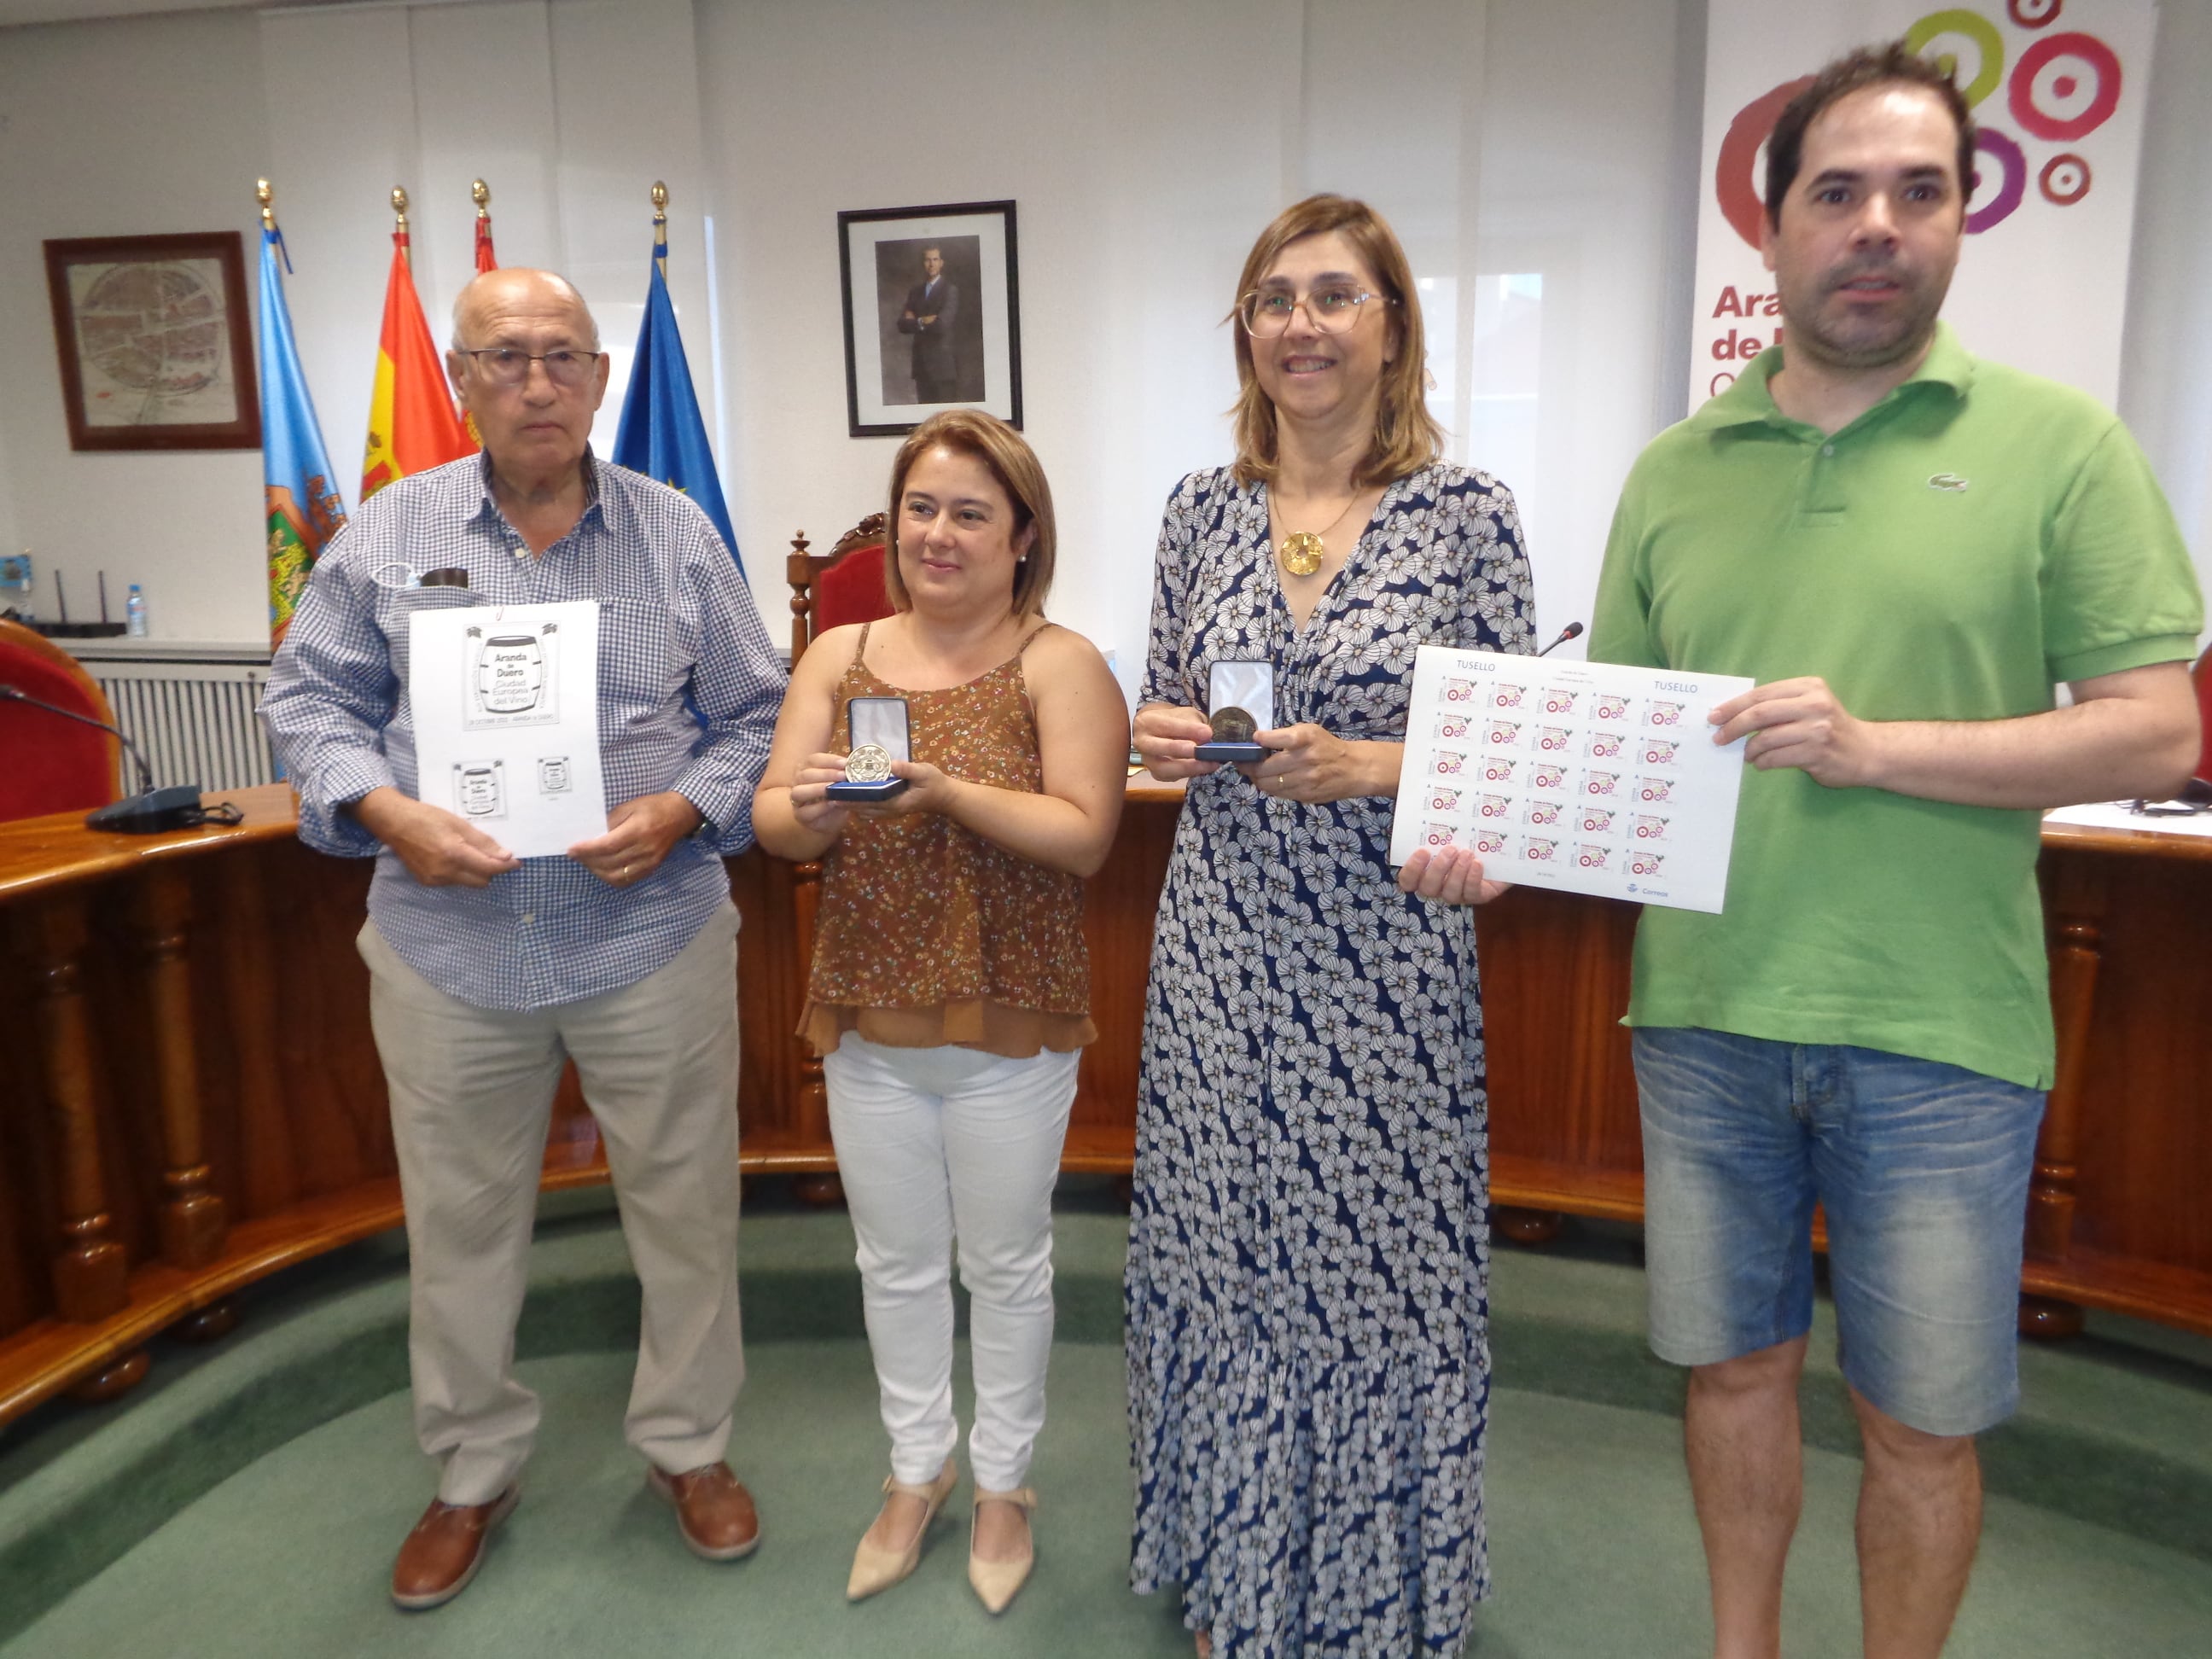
300 501
412 423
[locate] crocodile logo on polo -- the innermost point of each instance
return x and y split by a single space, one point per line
1948 481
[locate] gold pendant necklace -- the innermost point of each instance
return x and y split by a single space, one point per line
1301 552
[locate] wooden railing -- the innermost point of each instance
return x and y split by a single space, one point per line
190 1098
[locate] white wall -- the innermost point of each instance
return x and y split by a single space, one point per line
1146 141
1129 138
122 129
2165 371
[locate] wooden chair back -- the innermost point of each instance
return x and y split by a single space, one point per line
47 763
845 585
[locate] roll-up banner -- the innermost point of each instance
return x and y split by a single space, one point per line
2058 89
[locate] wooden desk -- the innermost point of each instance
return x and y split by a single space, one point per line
193 1100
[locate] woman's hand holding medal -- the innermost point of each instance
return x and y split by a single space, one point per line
928 790
1311 765
1163 737
810 801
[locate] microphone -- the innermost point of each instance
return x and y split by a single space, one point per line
1571 631
149 812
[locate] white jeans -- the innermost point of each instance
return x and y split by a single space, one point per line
931 1142
471 1089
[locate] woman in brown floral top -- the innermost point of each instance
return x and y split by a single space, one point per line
950 995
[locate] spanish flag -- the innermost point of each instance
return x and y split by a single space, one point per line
412 423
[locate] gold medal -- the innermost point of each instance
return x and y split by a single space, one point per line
1301 552
869 763
1233 725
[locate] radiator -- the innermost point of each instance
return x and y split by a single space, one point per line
193 720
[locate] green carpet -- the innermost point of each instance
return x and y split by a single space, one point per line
248 1499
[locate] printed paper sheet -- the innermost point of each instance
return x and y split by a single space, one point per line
507 720
1587 777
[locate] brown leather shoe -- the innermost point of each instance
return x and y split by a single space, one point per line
445 1550
714 1511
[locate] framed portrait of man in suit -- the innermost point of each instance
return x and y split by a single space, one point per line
932 314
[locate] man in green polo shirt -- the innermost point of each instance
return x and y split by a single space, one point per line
1908 549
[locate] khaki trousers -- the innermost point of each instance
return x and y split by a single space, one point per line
471 1093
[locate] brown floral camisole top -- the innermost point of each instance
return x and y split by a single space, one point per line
927 934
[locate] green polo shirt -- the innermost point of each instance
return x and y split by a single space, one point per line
1973 539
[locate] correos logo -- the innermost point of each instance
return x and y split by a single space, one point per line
2060 86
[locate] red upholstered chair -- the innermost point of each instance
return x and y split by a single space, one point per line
49 764
845 585
2199 788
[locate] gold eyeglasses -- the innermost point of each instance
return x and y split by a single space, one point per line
1332 308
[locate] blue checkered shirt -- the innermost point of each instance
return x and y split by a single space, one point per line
688 689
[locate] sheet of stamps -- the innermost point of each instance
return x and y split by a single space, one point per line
1587 777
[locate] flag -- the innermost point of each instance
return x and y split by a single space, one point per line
303 508
661 433
412 423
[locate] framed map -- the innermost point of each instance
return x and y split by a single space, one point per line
155 341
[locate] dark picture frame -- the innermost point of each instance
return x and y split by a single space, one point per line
154 341
903 364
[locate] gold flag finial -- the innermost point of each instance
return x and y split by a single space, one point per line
480 193
660 202
399 207
660 226
266 196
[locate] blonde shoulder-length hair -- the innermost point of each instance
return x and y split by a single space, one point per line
1406 436
1007 456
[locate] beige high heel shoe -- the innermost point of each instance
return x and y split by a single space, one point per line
876 1569
997 1582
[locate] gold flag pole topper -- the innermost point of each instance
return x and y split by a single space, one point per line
267 197
400 224
661 227
480 193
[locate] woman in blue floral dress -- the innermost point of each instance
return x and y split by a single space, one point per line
1308 1250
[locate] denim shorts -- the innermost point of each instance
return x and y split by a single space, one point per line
1922 1170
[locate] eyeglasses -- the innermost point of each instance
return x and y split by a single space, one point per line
1332 308
504 366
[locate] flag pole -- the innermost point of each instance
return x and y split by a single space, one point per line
399 228
660 227
480 193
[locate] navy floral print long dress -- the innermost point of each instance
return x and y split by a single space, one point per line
1307 1321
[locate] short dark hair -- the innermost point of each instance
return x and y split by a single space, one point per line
1891 63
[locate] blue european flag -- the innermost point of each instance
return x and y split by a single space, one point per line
661 433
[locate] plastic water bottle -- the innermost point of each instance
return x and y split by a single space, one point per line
134 614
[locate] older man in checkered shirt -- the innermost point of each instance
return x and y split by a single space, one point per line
487 971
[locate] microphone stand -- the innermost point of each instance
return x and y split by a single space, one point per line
151 812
